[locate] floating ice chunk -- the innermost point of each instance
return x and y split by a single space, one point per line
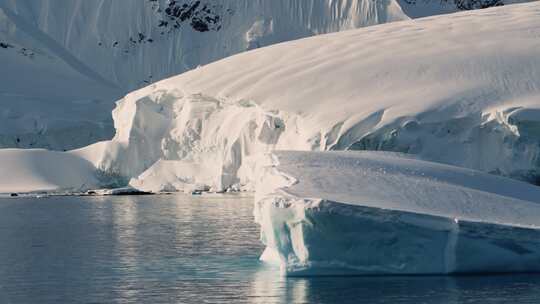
118 191
382 213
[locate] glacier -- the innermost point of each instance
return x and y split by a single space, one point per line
375 213
65 62
436 97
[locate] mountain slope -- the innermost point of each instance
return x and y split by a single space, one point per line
49 98
133 42
112 47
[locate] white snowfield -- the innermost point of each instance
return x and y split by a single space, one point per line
358 213
36 170
461 89
66 61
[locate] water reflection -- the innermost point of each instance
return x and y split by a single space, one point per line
125 223
268 286
519 288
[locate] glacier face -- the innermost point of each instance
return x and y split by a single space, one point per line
435 97
94 51
351 213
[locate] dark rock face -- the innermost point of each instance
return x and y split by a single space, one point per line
21 50
202 17
5 45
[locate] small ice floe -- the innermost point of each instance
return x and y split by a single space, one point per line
118 191
321 215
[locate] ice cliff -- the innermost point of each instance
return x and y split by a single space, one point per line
358 213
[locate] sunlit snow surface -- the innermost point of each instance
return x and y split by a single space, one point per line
42 170
65 62
340 213
461 89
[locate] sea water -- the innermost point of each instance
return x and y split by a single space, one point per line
187 249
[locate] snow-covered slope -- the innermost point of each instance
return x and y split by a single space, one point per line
50 105
64 62
131 42
35 170
462 89
72 58
48 97
381 213
425 8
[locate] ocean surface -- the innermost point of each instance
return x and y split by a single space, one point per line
185 249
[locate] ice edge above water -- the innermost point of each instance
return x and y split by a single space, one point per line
308 236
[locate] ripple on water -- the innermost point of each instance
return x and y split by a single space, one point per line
183 249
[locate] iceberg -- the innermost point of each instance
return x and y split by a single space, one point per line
375 213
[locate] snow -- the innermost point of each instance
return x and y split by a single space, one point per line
445 95
46 102
36 170
426 8
452 90
172 176
71 59
351 212
80 26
